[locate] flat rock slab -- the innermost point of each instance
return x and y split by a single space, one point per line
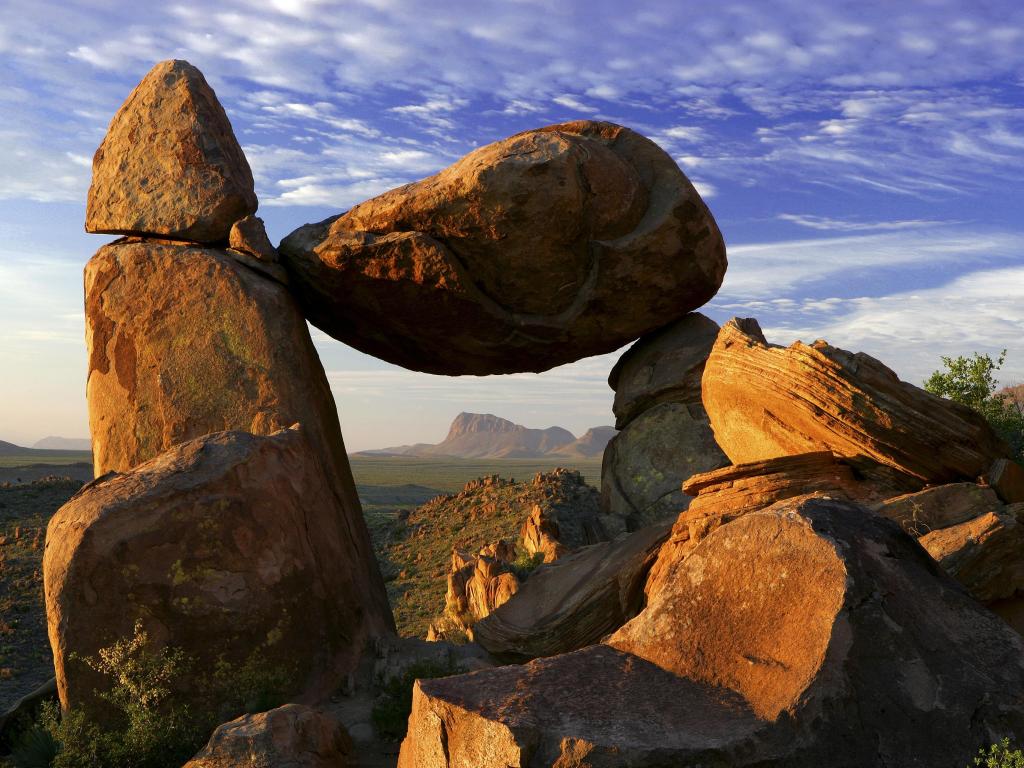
596 707
537 250
170 164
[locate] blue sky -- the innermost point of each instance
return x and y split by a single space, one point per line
865 161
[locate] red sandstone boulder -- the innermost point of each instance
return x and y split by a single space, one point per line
537 250
233 548
810 633
292 736
477 584
767 401
170 164
724 494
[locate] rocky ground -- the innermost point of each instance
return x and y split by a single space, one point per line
415 550
413 541
25 661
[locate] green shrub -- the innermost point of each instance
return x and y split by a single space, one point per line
394 704
971 381
1000 756
150 726
526 562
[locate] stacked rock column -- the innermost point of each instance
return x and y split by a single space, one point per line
191 328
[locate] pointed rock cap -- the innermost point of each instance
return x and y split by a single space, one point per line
170 164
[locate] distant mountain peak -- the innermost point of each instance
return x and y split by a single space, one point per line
486 436
468 423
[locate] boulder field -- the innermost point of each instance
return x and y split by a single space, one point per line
791 563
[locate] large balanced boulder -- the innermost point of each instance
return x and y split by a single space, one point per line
537 250
233 548
810 633
170 164
292 736
766 401
575 601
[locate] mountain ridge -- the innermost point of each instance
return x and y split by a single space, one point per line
486 436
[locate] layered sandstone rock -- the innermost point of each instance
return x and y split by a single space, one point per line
940 506
985 553
665 366
776 631
575 601
537 250
766 401
170 164
292 736
233 548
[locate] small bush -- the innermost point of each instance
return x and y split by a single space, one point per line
526 562
150 725
394 704
971 381
999 756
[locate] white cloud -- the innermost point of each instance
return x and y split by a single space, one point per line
571 102
827 224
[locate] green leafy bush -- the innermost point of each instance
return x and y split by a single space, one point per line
526 562
393 706
971 381
1000 756
150 725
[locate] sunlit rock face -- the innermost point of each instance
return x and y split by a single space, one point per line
763 650
537 250
170 165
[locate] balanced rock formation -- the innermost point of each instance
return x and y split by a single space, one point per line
810 633
233 548
939 506
575 601
645 465
292 736
767 401
170 164
537 250
665 434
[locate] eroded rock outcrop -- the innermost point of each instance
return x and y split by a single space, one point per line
767 401
170 164
575 601
232 548
477 584
292 736
775 632
537 250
